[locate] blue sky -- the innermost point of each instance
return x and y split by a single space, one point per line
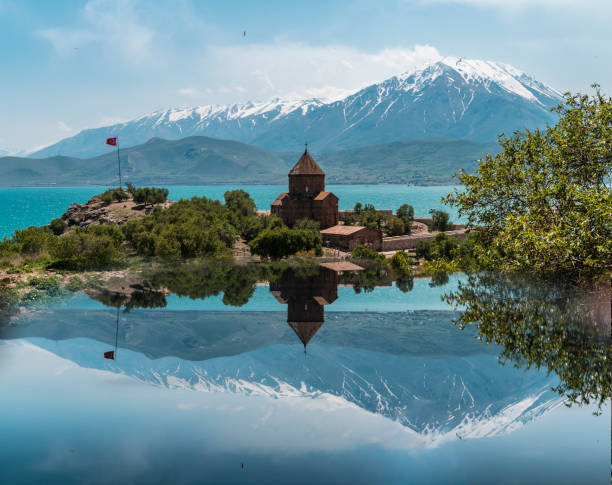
69 65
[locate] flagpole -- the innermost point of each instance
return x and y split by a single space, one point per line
119 162
117 331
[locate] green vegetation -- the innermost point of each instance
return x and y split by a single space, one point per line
195 228
57 226
150 195
280 242
367 215
114 195
363 252
544 323
440 222
543 205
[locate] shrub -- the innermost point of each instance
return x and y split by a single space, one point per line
150 195
75 284
396 227
49 285
401 263
33 240
114 195
57 226
307 225
91 249
281 242
423 249
406 214
8 296
440 222
363 252
240 201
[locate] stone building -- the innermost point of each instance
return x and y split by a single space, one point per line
349 237
306 198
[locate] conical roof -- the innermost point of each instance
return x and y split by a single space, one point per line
306 166
305 330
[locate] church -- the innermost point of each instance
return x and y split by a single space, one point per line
307 198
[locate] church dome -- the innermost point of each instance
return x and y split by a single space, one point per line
306 166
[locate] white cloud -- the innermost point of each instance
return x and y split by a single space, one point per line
190 92
113 24
300 70
63 127
517 5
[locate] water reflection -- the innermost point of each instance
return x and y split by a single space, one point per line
407 379
561 326
306 297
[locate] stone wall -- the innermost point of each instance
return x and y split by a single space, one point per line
410 241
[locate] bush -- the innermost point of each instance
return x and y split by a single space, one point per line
57 226
96 248
150 195
252 226
114 195
50 285
8 296
401 263
440 222
33 240
307 225
240 201
406 214
281 242
396 227
363 252
423 249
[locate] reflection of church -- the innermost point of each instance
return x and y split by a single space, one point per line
306 297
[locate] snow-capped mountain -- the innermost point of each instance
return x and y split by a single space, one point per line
452 98
439 399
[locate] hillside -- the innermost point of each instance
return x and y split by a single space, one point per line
202 160
453 98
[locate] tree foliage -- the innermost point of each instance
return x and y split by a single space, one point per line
544 204
281 242
542 323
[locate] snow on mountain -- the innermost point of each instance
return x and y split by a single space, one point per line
440 399
451 98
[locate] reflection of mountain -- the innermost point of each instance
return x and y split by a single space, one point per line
415 368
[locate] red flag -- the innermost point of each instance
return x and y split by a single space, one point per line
111 141
109 355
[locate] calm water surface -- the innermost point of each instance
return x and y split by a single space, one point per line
303 380
23 206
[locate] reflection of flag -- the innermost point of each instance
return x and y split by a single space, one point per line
109 355
111 141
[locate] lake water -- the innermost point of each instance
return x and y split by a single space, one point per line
307 379
27 206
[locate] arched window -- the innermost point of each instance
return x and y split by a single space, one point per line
306 188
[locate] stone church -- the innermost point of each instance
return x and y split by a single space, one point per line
307 198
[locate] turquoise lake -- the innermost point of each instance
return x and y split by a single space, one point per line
36 206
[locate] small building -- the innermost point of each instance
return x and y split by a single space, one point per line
306 198
349 237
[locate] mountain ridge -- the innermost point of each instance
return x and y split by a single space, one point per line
452 98
204 160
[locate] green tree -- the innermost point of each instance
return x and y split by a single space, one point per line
440 222
544 323
57 226
240 201
406 213
396 227
543 204
281 242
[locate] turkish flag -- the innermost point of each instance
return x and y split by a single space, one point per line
109 355
111 141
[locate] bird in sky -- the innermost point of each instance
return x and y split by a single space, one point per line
244 33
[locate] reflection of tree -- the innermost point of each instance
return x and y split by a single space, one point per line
557 325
